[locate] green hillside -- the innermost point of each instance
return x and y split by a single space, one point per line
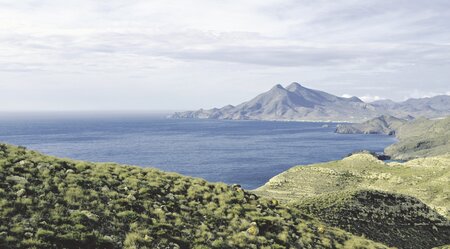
396 220
411 212
46 202
421 138
425 178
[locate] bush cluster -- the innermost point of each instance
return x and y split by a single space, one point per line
46 202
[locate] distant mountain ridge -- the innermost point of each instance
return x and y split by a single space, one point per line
298 103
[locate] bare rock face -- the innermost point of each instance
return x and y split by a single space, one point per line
298 103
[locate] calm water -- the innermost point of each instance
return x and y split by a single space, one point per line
244 152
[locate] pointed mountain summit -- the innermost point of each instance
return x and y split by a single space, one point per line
299 103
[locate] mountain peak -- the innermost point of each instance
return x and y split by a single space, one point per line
297 102
294 86
278 86
355 99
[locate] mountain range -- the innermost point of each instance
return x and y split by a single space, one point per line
298 103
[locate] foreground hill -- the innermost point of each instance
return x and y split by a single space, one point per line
46 202
296 102
384 124
396 220
421 138
411 212
425 178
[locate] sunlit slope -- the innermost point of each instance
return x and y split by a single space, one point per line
421 138
426 179
46 202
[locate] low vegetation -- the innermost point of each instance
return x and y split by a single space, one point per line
424 178
421 138
345 193
46 202
396 220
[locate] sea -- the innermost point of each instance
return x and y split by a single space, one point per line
248 153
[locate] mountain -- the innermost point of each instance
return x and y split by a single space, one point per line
296 102
421 138
47 202
384 124
431 107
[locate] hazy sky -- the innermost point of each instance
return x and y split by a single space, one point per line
152 55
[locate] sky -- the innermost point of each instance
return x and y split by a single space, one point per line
180 55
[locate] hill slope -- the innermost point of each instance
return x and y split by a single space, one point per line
425 178
421 138
396 220
46 202
384 124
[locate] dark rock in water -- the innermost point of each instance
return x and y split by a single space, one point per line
383 157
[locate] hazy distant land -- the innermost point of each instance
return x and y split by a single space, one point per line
298 103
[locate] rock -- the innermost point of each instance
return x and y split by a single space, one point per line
21 192
253 230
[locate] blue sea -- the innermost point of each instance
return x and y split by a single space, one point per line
248 153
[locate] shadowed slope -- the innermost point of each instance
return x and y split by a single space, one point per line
396 220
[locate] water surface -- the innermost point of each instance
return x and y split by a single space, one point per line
244 152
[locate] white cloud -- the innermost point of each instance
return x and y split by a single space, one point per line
370 98
216 48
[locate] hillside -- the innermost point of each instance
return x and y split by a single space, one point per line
411 212
425 178
298 103
396 220
46 202
421 138
384 124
